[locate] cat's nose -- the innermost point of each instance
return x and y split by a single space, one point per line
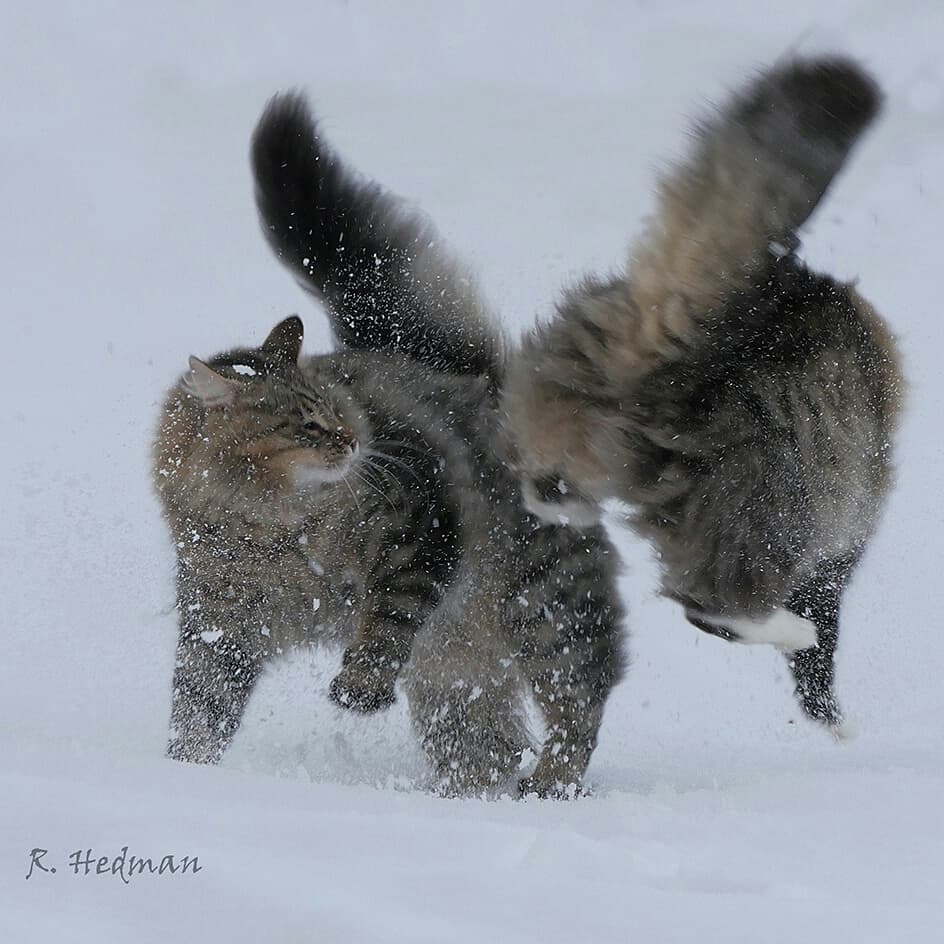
346 438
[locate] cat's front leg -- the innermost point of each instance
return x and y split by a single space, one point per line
213 678
373 662
217 664
367 681
415 562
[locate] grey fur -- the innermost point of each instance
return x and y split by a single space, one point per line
380 267
395 513
741 404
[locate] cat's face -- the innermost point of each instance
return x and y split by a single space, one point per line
278 429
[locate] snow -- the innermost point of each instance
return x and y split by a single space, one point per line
531 132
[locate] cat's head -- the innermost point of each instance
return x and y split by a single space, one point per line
269 425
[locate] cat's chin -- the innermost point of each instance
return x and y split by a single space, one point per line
309 477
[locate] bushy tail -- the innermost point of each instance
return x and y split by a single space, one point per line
758 169
376 264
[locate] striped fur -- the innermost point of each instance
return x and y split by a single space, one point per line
742 405
398 517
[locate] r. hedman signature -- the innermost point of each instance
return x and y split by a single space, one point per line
123 865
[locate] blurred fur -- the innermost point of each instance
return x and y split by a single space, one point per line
358 498
742 405
378 265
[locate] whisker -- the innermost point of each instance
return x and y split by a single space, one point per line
363 478
386 474
404 445
400 463
357 504
402 487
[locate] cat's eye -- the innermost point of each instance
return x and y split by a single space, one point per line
313 428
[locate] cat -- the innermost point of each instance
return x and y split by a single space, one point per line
742 405
357 498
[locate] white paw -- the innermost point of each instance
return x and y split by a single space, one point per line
782 629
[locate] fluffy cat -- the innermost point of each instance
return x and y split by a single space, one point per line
741 404
356 497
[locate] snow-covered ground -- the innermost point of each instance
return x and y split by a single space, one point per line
530 131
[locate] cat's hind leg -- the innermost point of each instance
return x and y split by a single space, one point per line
818 599
566 620
467 708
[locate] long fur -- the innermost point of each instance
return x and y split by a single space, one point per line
742 405
758 170
377 264
359 497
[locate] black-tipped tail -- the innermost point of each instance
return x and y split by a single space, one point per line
758 169
797 124
376 264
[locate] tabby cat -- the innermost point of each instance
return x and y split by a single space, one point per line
357 497
741 404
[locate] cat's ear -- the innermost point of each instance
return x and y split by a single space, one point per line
284 342
207 385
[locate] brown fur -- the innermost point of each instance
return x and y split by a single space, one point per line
413 552
741 404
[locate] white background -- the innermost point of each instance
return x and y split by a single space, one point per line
531 133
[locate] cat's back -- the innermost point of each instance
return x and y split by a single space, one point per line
796 336
414 406
441 435
815 360
400 382
795 387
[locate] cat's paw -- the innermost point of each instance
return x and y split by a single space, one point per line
363 686
539 786
822 707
